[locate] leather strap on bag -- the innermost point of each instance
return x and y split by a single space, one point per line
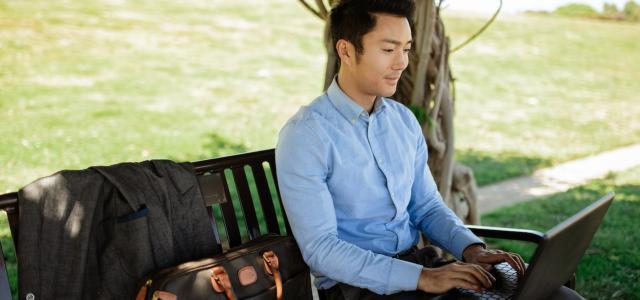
220 282
142 293
271 266
157 295
162 295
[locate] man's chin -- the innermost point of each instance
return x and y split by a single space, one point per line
389 92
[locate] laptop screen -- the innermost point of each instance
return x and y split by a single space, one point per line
558 254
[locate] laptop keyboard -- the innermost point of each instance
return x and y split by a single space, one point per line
504 287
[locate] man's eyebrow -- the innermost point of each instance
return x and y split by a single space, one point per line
396 42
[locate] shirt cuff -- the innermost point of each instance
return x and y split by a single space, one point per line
404 276
462 240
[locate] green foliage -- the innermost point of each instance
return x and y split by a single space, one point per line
610 11
609 8
576 10
420 113
631 11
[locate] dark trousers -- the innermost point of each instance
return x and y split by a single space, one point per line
427 256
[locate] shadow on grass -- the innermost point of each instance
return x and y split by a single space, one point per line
610 267
216 145
493 167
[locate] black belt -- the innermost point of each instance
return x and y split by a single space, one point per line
411 250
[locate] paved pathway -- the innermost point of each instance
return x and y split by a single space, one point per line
557 179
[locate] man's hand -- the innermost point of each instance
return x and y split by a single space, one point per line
477 254
454 275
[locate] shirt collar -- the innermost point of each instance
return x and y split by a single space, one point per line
347 106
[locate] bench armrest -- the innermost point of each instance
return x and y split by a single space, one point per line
507 233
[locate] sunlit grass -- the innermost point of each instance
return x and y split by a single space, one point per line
543 89
611 266
87 83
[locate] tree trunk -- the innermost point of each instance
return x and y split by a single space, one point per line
427 88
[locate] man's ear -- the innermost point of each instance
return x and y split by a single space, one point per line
346 52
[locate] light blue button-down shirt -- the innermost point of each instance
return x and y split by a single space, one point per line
357 190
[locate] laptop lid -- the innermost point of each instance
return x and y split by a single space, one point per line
558 254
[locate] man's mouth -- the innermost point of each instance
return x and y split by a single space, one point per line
392 80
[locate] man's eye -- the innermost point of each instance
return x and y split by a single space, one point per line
387 50
407 50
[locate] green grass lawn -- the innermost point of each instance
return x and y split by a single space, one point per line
98 82
84 83
533 91
610 269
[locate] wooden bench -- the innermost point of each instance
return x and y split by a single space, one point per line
243 202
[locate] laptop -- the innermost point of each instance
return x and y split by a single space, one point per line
554 261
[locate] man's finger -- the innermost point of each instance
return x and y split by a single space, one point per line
462 271
513 263
492 257
461 283
521 261
477 274
486 267
491 279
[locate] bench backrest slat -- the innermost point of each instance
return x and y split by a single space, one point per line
214 227
272 164
230 221
242 186
266 201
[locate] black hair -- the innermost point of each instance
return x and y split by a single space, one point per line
352 19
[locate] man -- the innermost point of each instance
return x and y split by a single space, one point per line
353 173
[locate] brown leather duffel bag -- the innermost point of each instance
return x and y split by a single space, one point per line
269 267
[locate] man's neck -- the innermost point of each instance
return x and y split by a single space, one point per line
348 86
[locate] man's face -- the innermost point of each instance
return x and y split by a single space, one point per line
386 54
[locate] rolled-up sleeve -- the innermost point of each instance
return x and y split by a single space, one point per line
428 211
304 163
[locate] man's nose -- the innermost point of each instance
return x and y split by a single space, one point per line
401 61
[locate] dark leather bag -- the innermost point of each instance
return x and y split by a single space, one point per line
269 267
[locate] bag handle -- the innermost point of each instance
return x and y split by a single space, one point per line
220 282
272 267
